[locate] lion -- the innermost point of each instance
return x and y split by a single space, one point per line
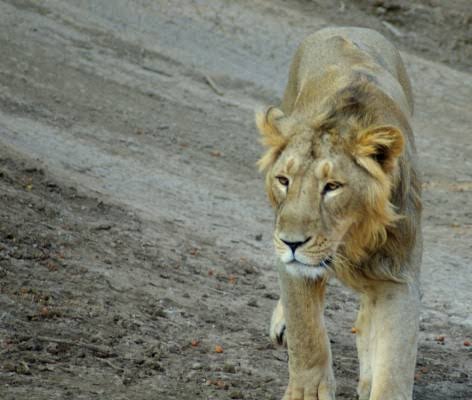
340 172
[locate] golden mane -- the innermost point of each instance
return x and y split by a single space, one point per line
385 229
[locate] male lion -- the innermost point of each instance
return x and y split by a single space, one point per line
341 176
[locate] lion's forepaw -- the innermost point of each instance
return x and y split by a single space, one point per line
323 390
277 327
277 334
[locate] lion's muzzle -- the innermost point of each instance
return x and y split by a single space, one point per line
294 245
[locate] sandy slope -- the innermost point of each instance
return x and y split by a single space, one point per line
132 122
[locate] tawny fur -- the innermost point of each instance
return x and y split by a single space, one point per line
341 175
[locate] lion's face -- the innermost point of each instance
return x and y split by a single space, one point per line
323 186
314 188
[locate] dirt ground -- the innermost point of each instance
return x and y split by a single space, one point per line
135 238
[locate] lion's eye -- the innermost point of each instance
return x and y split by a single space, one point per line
282 180
331 186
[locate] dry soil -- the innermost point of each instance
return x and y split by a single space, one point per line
135 238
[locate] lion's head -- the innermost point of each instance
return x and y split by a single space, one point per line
329 178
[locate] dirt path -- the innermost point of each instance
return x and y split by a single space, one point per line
134 232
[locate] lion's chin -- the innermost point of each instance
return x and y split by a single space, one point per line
299 270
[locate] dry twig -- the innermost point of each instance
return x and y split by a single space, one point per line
213 86
392 29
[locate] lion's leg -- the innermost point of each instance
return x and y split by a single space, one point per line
394 333
277 325
310 372
363 340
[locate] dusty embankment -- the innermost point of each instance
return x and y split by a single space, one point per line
134 232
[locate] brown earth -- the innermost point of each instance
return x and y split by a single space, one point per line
135 251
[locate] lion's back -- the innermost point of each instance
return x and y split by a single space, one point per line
328 47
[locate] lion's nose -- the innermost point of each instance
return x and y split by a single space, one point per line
295 245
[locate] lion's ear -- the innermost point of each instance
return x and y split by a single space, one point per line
383 144
269 125
268 122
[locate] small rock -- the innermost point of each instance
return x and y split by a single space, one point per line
252 303
23 369
261 286
229 368
380 10
249 269
127 380
173 348
236 394
53 348
156 366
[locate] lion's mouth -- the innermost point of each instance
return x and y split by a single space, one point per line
325 263
310 271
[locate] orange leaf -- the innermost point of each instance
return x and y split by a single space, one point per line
44 312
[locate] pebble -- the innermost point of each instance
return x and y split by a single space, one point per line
252 303
236 394
197 366
229 368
